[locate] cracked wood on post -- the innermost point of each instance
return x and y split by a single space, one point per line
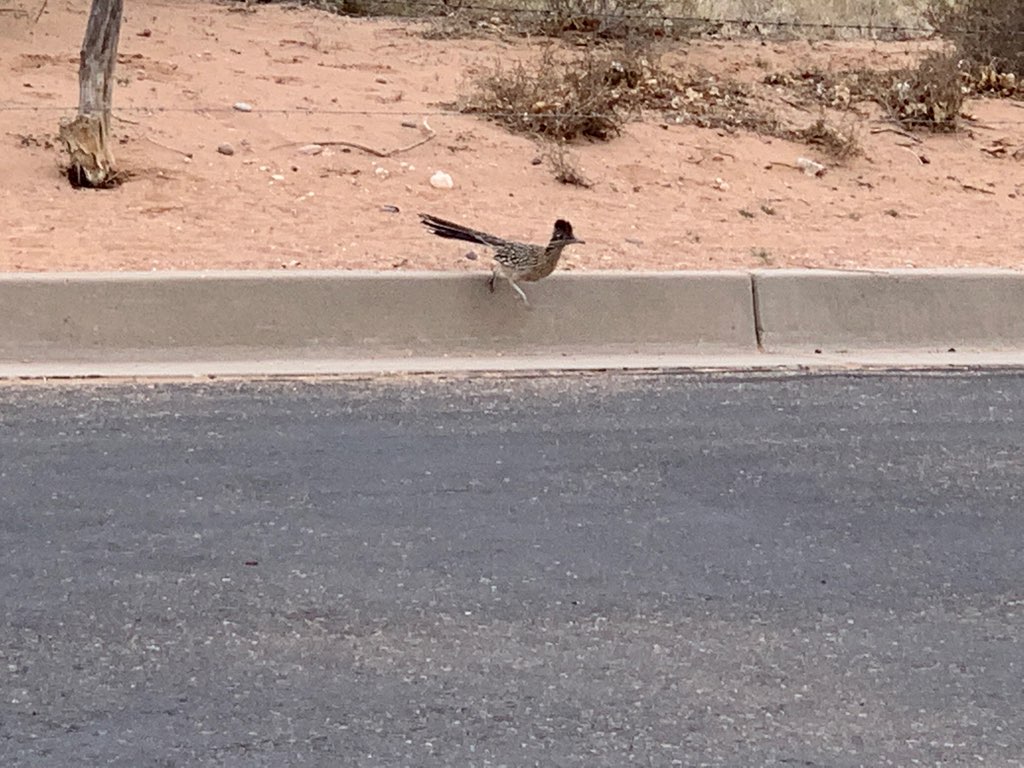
87 137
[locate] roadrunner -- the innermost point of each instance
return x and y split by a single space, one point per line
513 261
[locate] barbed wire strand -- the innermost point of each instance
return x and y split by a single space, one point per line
425 113
309 111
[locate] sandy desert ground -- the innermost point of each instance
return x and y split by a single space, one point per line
665 196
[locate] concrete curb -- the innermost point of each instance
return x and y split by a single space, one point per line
938 310
294 315
112 324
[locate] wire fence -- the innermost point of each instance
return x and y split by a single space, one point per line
404 115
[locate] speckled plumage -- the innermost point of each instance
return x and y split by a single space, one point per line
514 261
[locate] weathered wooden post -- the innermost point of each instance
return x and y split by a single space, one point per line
87 137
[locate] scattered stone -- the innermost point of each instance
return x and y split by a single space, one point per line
536 161
471 255
310 149
225 149
409 124
382 173
634 241
441 180
721 184
277 177
243 106
389 208
380 80
145 33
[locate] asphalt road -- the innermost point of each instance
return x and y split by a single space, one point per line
587 570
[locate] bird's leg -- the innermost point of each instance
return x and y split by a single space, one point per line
518 290
490 283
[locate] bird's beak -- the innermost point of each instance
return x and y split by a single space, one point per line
578 241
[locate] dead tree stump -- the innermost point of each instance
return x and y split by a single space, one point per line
87 137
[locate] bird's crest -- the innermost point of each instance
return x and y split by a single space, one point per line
563 232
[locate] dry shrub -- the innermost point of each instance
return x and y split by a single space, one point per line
838 142
622 21
617 20
988 33
594 93
564 166
590 95
401 8
929 96
834 89
991 81
605 19
709 101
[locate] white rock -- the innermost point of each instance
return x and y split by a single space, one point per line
810 167
441 180
243 106
310 149
382 173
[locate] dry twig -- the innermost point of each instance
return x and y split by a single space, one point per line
362 148
181 152
897 131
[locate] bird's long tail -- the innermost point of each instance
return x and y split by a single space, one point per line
453 231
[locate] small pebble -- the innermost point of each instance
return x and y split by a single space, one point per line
225 149
536 161
389 208
441 180
409 124
310 149
243 106
277 177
